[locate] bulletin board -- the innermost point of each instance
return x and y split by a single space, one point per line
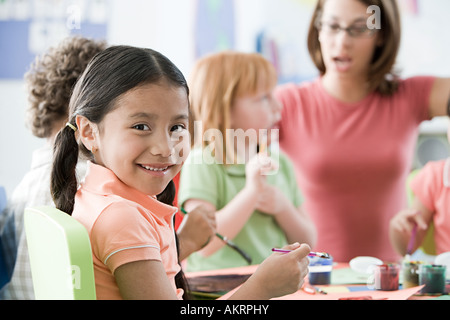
214 26
29 27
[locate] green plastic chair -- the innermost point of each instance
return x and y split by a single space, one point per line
60 255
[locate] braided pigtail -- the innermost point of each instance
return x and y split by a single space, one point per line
63 181
167 197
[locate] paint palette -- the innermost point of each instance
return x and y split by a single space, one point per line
364 264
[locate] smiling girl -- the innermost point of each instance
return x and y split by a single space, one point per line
129 115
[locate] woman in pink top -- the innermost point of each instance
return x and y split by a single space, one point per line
351 132
129 114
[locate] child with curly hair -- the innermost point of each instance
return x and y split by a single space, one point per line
49 81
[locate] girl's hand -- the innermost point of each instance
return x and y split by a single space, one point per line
281 273
401 227
197 229
405 220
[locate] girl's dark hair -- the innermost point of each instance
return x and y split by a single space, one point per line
167 197
448 107
111 73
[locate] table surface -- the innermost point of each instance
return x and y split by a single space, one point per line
346 284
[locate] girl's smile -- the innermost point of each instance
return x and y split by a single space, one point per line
157 169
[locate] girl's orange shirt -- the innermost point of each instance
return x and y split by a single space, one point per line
124 225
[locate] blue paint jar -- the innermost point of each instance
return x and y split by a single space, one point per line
320 270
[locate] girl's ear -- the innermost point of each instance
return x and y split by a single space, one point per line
87 132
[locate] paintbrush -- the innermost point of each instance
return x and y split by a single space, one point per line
232 245
229 243
411 243
323 255
263 143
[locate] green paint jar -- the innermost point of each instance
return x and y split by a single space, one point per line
433 277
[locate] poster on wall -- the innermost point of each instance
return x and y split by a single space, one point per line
29 27
214 26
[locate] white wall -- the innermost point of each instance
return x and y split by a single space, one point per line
16 142
168 26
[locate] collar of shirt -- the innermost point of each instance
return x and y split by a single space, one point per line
103 181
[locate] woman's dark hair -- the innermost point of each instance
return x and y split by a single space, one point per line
110 74
382 74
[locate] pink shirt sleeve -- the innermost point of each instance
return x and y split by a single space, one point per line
418 90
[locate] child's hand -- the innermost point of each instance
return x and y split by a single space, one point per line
256 169
401 227
405 220
283 273
271 200
196 230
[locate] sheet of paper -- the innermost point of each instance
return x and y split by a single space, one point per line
373 294
345 294
341 276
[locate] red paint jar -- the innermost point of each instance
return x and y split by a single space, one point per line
387 277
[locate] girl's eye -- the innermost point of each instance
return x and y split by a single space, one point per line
178 128
141 127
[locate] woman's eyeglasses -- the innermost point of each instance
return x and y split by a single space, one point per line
355 31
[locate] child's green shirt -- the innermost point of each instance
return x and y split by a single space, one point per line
219 184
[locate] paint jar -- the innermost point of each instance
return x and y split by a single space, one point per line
320 270
433 277
386 277
411 273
